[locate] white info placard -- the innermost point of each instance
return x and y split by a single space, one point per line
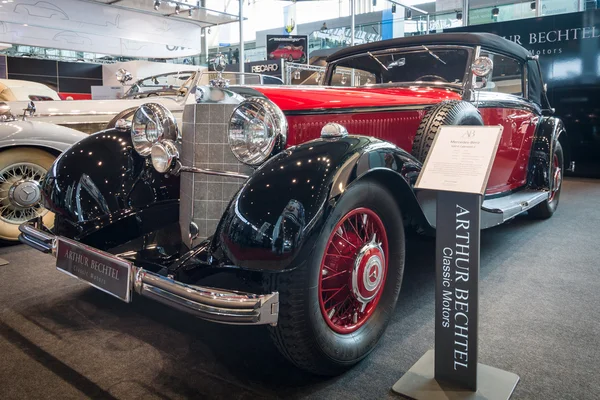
460 159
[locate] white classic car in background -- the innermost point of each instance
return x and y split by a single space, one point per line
17 90
27 150
91 116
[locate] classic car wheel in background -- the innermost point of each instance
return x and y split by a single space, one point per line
547 208
334 308
21 170
453 112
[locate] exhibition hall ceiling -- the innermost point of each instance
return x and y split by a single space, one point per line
129 28
176 9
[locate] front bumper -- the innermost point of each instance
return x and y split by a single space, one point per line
225 306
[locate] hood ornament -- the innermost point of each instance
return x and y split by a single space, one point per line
219 63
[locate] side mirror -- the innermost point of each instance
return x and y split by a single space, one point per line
123 76
482 67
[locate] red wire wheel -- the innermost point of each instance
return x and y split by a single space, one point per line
353 270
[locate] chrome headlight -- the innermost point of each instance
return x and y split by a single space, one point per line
257 129
163 155
152 123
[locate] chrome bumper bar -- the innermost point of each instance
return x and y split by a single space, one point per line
219 305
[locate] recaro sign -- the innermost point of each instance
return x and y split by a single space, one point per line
262 68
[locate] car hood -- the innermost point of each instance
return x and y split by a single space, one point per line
320 98
40 134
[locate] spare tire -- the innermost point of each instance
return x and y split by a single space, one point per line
454 112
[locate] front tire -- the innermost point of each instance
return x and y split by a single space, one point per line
335 307
19 165
547 208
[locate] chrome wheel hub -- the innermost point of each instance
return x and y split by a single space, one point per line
368 272
20 192
556 178
24 193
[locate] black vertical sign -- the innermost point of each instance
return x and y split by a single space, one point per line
456 288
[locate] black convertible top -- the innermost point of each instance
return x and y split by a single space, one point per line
488 40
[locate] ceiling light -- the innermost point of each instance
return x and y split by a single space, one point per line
393 8
177 9
190 13
407 13
209 30
533 5
459 15
156 4
495 11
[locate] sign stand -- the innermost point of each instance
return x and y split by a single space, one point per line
457 167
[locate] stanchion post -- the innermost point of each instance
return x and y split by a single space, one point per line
457 168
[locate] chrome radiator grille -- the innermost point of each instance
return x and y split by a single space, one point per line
204 145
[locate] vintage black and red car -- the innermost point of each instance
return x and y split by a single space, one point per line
288 206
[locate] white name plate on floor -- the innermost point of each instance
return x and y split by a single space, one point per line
460 159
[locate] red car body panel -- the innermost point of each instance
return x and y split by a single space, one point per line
330 98
398 127
509 171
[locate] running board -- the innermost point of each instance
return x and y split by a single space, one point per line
496 211
493 211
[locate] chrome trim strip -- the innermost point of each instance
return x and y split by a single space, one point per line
353 110
70 114
219 305
36 233
503 100
213 172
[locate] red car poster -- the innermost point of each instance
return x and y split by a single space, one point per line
292 48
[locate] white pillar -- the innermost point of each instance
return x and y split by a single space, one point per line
242 56
352 13
465 19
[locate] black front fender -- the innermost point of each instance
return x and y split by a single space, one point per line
102 183
281 209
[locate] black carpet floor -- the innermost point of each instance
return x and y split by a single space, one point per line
539 318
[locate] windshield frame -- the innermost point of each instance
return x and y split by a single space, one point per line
471 51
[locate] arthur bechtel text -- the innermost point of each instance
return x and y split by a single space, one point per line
455 288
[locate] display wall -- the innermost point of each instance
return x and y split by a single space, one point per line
68 78
568 46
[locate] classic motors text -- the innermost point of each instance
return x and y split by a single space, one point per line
455 288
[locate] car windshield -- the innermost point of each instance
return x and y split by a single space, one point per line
426 64
171 81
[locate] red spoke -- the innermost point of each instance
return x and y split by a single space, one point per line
336 249
332 289
356 247
355 230
329 268
334 275
337 304
333 295
339 255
